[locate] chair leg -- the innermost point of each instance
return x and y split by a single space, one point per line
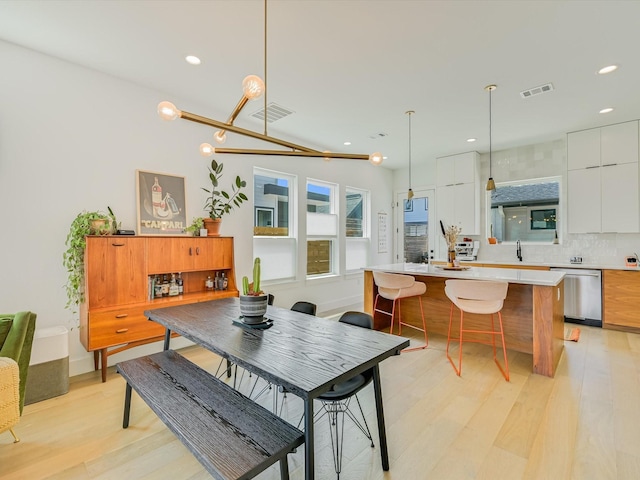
424 329
15 437
393 316
457 369
505 372
284 468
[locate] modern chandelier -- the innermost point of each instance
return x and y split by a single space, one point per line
410 192
254 87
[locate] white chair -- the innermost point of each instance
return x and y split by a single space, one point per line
395 287
480 297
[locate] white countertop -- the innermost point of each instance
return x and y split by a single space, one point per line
511 275
592 266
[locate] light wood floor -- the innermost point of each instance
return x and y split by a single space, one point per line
583 424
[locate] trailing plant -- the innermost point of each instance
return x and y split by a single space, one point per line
253 288
86 223
196 224
221 202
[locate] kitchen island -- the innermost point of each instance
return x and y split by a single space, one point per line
533 312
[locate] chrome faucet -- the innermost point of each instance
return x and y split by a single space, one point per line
518 250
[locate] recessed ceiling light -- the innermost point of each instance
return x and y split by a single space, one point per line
607 69
347 143
471 140
606 110
193 60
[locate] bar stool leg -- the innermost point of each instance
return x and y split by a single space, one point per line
424 329
505 372
457 369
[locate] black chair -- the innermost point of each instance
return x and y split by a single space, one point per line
335 402
304 307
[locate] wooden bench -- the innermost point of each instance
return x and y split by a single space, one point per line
231 436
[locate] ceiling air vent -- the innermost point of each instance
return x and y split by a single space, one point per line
378 135
274 112
537 90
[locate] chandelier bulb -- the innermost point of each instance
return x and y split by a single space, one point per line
220 137
326 159
168 111
252 87
206 150
375 158
491 185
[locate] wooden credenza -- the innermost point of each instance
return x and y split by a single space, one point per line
620 294
117 274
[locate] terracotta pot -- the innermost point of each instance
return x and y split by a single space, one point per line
253 308
213 226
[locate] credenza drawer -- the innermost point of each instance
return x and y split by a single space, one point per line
119 326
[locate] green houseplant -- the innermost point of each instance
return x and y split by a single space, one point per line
86 223
221 202
196 225
253 301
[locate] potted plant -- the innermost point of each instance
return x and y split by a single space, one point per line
221 202
197 224
253 301
86 223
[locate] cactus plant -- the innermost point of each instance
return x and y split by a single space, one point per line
254 287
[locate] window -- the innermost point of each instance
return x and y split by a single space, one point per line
274 239
357 229
322 228
526 210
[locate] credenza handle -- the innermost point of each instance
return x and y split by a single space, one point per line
190 251
118 244
197 250
122 315
122 330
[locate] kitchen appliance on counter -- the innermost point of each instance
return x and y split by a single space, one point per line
582 296
467 251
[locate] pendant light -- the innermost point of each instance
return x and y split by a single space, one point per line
491 185
410 192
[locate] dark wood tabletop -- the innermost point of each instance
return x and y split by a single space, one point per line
303 353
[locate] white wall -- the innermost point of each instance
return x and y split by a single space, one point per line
72 138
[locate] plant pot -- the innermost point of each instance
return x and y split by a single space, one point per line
213 226
451 258
99 226
253 308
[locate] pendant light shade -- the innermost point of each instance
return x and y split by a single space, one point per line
491 185
410 192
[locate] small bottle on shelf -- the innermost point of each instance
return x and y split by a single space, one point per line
208 284
165 285
173 286
225 281
216 282
180 283
157 287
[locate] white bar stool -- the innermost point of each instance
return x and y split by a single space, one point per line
481 297
395 287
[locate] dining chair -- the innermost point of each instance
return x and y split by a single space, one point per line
305 307
480 297
336 402
396 287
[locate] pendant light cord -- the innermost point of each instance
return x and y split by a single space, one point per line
266 90
490 152
409 112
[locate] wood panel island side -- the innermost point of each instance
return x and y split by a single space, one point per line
533 312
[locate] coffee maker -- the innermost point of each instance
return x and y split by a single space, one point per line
467 251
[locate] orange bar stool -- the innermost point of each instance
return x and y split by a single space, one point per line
395 287
481 297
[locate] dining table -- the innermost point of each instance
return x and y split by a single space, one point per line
304 354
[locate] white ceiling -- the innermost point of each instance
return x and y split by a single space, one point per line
350 69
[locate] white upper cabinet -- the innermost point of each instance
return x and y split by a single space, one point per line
603 183
457 193
456 169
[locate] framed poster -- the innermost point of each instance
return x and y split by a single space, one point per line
161 202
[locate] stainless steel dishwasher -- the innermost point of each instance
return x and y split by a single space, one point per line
582 296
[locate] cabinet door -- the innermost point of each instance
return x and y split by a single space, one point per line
465 208
115 271
620 291
465 167
584 205
213 253
445 171
620 207
166 255
619 143
583 149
